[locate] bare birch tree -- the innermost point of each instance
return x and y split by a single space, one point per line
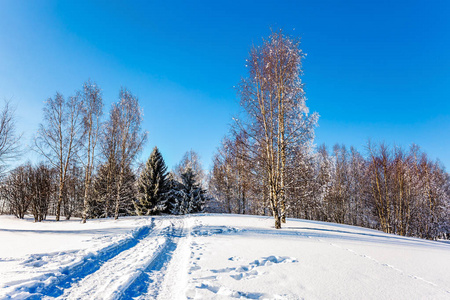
92 111
230 179
59 137
278 118
106 180
125 124
191 159
9 139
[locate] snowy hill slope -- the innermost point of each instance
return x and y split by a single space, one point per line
215 257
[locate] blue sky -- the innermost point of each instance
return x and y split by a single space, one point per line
374 69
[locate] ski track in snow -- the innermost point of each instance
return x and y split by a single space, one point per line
150 283
131 273
53 285
135 268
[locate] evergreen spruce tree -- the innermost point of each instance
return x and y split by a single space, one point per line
105 191
152 186
128 193
172 195
191 197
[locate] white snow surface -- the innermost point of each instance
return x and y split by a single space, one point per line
211 256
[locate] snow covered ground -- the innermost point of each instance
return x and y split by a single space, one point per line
215 257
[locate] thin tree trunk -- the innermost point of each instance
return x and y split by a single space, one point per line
282 151
87 181
119 186
60 199
274 206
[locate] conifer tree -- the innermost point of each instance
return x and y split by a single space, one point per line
152 186
172 195
191 197
104 191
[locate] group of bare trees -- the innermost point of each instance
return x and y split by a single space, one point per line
9 151
268 164
80 152
409 192
89 165
397 191
29 189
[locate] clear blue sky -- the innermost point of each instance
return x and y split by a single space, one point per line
374 69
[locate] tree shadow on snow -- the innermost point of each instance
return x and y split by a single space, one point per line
323 233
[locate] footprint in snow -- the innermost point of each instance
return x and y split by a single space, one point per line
249 272
234 258
212 230
230 293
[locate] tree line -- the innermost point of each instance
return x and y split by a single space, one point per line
268 165
89 164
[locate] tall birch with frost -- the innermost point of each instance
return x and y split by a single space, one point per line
277 118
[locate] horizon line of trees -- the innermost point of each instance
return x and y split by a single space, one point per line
389 189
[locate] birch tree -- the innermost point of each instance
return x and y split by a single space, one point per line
59 136
106 181
9 139
125 119
190 159
92 111
230 178
277 118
